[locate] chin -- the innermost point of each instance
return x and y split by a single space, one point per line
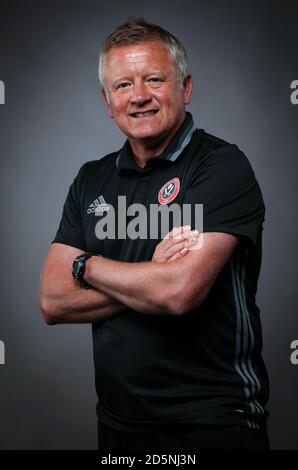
146 136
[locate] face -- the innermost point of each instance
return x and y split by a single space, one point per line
143 93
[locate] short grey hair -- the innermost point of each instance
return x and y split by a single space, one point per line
137 30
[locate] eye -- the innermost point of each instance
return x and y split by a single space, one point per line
122 86
154 80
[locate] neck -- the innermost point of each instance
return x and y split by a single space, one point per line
143 151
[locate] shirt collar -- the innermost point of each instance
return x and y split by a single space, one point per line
173 150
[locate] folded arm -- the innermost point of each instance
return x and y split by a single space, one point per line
63 300
167 288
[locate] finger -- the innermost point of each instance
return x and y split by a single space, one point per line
192 241
181 247
171 246
165 244
170 233
174 248
177 231
189 234
183 230
178 255
174 244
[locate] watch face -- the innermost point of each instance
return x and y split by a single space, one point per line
77 268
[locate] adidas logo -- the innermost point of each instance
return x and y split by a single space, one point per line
98 205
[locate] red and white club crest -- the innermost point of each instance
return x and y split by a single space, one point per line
169 191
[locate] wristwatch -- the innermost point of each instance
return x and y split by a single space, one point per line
78 269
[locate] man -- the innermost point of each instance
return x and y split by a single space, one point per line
176 330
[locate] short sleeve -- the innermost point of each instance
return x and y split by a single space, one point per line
225 184
70 231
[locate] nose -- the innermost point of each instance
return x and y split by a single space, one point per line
140 94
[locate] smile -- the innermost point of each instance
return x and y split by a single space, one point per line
144 114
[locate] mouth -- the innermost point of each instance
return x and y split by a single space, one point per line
142 114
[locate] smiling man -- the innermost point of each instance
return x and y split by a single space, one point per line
176 329
144 95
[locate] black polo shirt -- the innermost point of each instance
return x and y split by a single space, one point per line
205 366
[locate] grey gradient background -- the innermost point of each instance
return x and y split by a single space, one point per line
243 56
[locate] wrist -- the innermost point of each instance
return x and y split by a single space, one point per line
79 269
89 269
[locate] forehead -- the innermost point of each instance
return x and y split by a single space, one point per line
151 53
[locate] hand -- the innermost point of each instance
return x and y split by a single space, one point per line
175 244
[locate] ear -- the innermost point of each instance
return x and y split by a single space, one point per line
105 96
187 89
